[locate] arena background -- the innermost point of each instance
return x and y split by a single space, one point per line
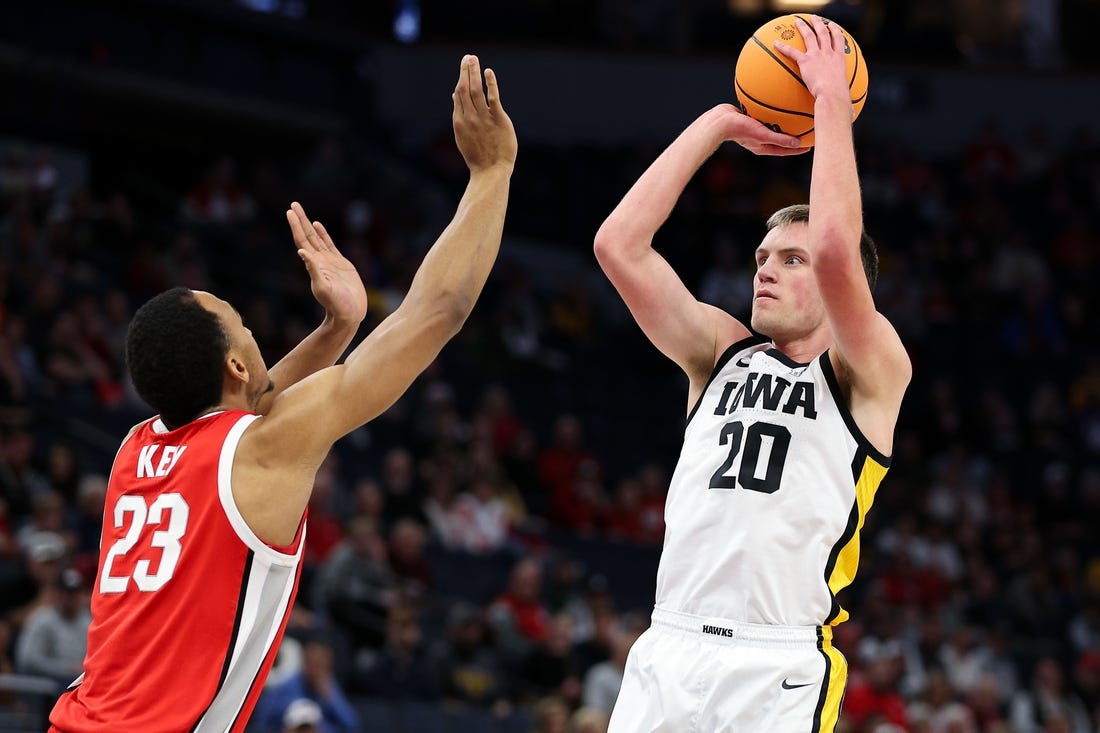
151 143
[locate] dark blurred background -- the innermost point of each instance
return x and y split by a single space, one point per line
480 557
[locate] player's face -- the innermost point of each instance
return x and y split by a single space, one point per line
242 344
786 301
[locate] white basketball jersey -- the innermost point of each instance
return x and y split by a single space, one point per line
769 495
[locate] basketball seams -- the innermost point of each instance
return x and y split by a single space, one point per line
780 61
855 49
788 102
809 24
794 73
757 102
855 66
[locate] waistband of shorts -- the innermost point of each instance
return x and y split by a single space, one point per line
727 631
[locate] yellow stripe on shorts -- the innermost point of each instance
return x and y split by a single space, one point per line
832 688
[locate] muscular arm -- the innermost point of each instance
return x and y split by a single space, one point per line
441 297
278 456
338 288
690 333
318 350
873 362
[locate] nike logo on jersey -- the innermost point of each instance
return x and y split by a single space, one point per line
718 631
743 361
788 686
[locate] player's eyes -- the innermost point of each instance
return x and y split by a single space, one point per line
794 260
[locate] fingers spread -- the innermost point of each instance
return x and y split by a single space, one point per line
473 78
462 94
296 226
787 141
779 140
493 91
299 212
789 51
838 36
784 150
326 240
304 234
821 31
809 35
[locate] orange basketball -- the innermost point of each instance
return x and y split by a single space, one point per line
770 89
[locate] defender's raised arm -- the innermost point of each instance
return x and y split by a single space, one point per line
308 418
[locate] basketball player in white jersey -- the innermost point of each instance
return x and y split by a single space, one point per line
786 438
205 515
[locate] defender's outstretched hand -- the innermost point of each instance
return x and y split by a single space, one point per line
333 279
483 131
822 65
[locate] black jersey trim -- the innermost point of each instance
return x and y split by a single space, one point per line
784 359
824 694
842 542
232 638
733 350
274 648
846 413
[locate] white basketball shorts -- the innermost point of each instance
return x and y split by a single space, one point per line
691 674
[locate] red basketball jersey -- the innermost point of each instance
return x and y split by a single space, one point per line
189 605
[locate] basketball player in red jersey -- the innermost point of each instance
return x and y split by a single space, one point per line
204 521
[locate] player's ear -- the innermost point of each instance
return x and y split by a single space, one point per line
235 368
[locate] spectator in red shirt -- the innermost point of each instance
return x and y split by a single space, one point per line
580 504
558 463
874 694
518 616
503 425
624 519
325 528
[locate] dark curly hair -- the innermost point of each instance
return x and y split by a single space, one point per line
174 351
868 252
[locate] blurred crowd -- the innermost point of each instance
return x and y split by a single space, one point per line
488 544
988 33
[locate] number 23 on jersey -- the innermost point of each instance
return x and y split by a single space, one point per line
168 514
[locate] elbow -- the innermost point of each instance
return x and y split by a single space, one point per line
603 244
449 312
839 233
608 243
438 318
838 267
837 247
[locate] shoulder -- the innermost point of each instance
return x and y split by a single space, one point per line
148 422
886 375
737 352
871 397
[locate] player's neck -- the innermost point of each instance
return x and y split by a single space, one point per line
230 402
804 349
